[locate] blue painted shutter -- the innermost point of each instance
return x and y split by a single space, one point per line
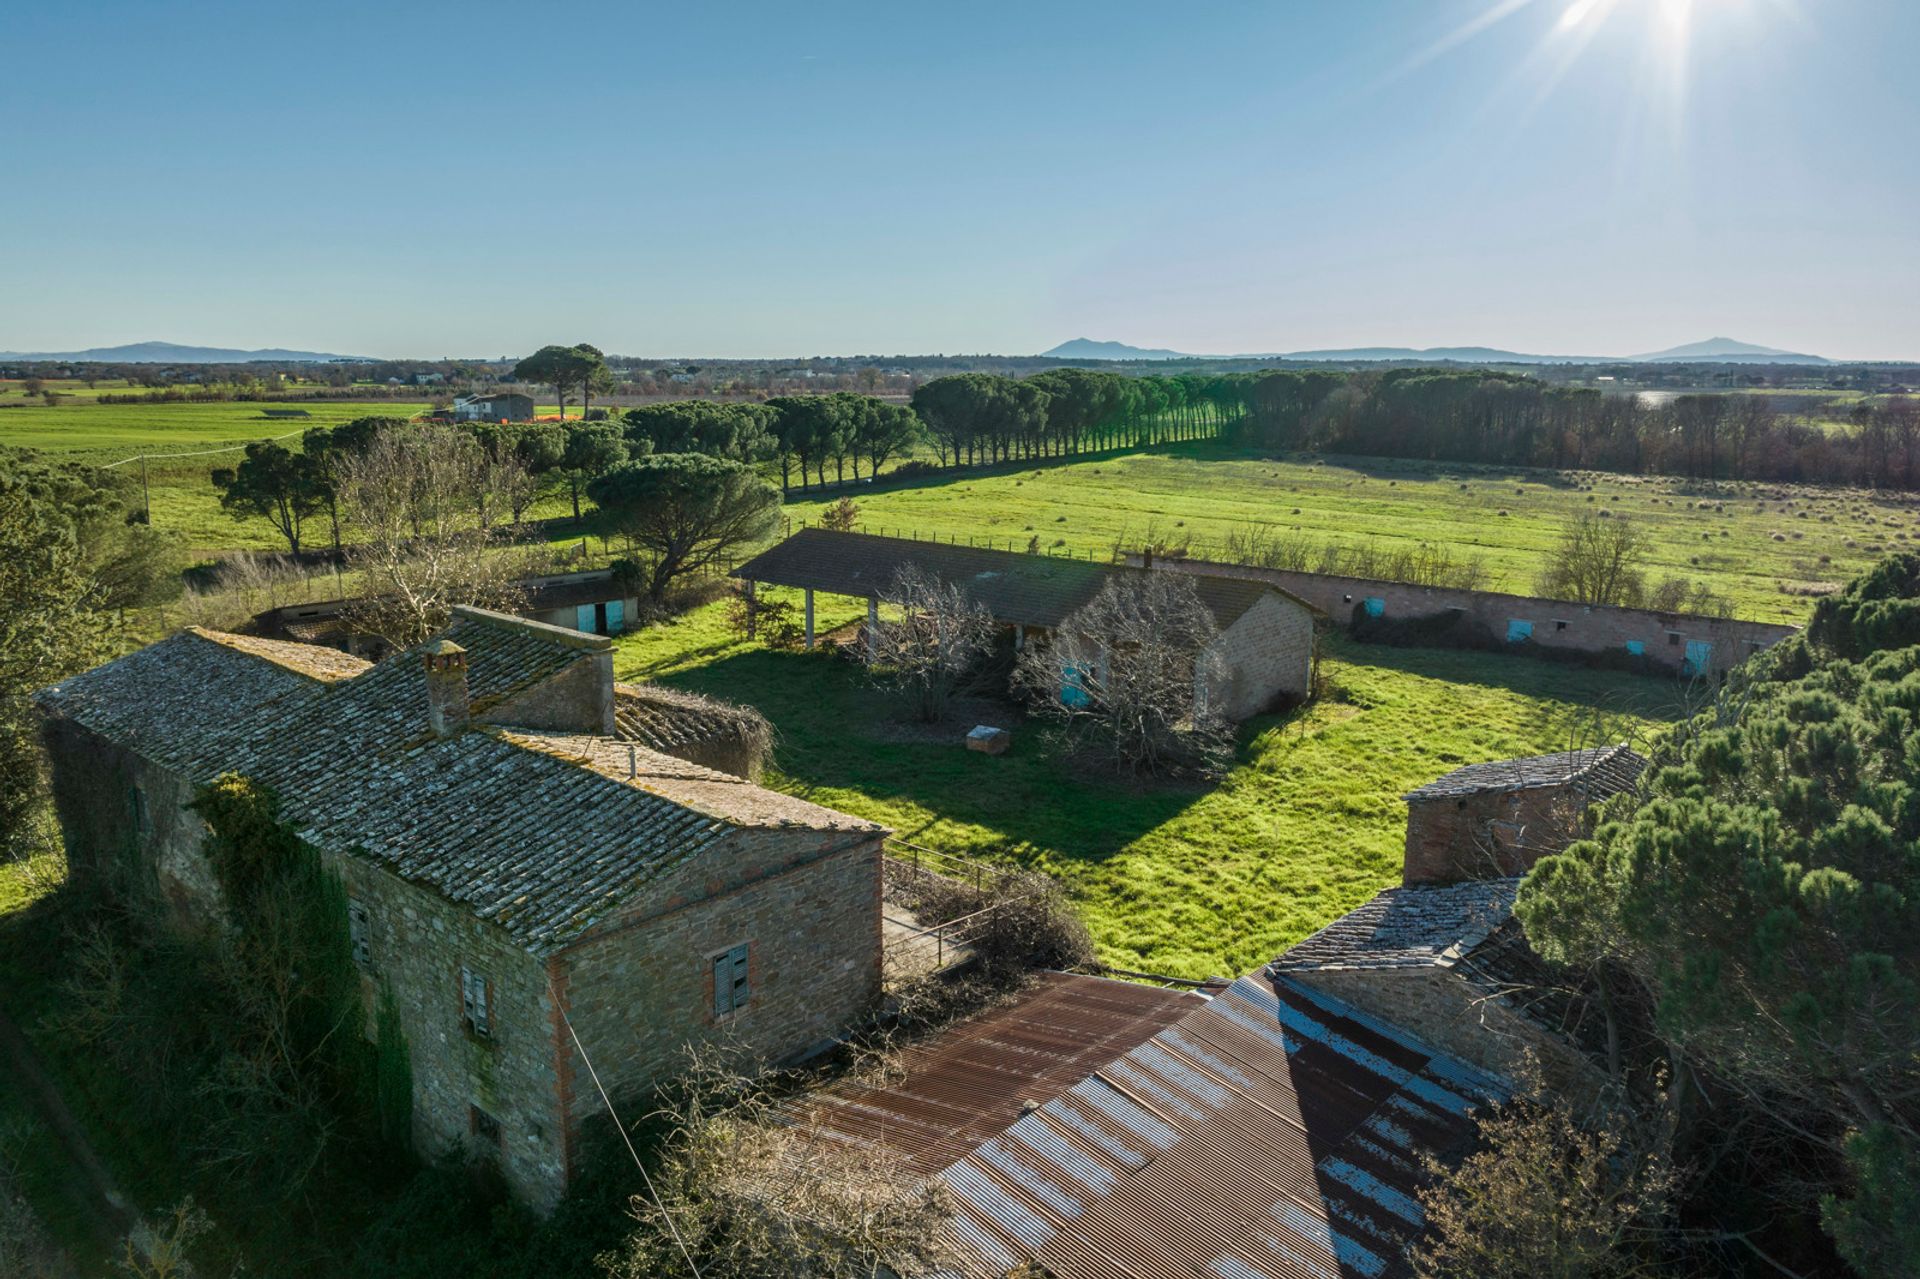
1518 632
1073 689
616 616
1376 607
1699 657
1636 648
583 618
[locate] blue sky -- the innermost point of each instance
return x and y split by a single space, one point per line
1571 176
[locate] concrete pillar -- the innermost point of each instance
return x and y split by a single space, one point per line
873 623
809 619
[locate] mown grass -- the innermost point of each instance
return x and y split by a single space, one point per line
1510 518
1184 880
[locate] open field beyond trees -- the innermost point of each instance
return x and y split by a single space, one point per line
1763 547
1184 880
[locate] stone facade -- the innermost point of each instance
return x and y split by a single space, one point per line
1267 653
571 884
1712 644
1489 835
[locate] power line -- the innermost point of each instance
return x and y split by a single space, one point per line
224 448
625 1139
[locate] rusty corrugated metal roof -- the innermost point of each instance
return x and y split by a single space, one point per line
1274 1133
971 1081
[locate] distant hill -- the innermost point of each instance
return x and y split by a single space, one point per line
1728 351
1712 351
174 353
1088 349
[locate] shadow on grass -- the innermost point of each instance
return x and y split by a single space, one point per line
1566 682
833 743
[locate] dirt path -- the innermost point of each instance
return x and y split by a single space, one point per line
89 1180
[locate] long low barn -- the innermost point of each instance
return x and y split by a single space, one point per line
1264 648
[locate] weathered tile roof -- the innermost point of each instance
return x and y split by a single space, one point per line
1017 588
1600 771
1416 926
327 664
974 1080
542 834
1274 1133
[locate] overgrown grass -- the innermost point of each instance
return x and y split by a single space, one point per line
1187 881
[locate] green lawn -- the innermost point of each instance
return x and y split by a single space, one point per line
1188 881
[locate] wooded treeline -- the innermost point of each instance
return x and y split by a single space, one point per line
1507 420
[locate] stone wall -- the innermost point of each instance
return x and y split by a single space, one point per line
639 989
121 812
577 700
1490 835
1267 652
1663 638
1439 1007
418 942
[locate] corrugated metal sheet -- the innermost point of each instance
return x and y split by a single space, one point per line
970 1082
1272 1134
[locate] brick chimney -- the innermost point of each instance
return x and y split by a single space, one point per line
446 664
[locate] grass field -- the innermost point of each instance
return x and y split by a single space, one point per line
1761 546
1764 547
1188 881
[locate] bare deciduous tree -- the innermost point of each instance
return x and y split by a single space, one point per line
425 504
932 641
1132 669
745 1190
1598 561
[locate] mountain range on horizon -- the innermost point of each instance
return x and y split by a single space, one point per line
1718 350
175 353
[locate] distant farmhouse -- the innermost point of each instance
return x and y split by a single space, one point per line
1264 648
536 887
492 406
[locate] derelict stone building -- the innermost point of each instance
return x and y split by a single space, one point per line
1263 649
533 891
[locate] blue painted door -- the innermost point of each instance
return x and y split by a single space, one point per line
1073 689
583 618
616 616
1699 658
1518 632
1375 607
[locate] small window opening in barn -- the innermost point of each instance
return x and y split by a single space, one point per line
1459 803
137 799
484 1126
1559 625
1673 639
1346 599
731 989
360 933
476 1002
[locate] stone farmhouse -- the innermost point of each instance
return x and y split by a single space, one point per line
1264 649
534 890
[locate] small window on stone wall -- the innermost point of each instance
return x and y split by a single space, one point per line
485 1127
731 989
360 934
476 1002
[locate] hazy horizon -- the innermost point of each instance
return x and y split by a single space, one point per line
1562 177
